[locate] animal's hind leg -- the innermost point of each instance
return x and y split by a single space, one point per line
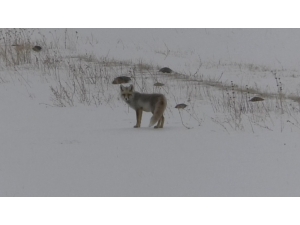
160 122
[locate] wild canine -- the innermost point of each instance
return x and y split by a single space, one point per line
155 103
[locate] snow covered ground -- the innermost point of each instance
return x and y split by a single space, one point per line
90 148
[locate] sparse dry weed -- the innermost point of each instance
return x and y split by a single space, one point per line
87 79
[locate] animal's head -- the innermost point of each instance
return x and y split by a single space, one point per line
127 92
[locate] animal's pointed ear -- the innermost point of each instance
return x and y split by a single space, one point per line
131 88
122 87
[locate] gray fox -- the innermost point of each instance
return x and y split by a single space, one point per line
155 103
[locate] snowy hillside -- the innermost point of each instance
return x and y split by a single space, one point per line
66 132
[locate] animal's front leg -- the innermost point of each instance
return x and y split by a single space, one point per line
139 113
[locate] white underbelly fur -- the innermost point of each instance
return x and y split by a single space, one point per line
146 106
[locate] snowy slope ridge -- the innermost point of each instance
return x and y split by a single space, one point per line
66 132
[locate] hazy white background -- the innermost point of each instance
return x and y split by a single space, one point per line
216 14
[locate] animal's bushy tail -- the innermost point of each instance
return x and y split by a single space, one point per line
159 109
